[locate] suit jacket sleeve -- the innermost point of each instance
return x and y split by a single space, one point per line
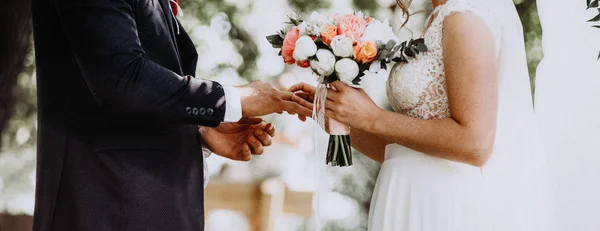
105 43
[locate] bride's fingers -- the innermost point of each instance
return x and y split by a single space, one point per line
339 86
306 96
295 108
330 114
303 87
301 101
333 95
330 105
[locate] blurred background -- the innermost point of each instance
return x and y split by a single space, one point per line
271 192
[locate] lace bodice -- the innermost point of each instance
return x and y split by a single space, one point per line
418 88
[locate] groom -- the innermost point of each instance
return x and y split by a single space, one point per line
119 107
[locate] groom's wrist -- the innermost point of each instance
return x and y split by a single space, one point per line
203 132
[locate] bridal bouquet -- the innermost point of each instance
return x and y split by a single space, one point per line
340 47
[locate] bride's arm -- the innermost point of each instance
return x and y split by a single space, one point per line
472 83
370 145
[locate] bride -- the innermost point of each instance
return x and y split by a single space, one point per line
461 150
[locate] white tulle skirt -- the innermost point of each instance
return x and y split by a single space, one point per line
417 192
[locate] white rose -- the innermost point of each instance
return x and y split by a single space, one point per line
378 30
305 47
302 28
342 46
317 19
325 65
347 70
312 26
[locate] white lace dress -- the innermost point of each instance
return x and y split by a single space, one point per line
415 191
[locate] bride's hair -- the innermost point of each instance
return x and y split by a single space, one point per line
404 7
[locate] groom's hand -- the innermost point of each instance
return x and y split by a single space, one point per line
260 99
238 141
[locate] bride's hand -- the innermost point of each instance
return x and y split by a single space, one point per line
351 106
306 92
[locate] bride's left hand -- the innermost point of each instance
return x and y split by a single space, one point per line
351 106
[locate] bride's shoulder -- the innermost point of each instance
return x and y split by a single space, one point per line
477 7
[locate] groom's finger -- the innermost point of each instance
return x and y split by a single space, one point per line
270 128
255 145
245 154
250 120
263 137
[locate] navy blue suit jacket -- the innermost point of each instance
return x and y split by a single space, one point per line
118 113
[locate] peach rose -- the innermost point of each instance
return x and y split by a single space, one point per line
365 52
351 26
304 63
289 44
328 31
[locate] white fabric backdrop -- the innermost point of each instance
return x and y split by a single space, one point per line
567 104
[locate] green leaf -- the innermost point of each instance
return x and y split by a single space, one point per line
380 45
592 4
275 40
421 47
597 26
598 56
330 79
390 44
595 19
279 53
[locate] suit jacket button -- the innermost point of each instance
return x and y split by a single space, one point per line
195 111
202 111
188 110
210 111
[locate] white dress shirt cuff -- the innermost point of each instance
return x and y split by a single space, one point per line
233 104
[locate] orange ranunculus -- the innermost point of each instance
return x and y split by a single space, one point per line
351 26
289 44
365 52
328 31
304 63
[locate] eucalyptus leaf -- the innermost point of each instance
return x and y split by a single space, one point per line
595 19
380 45
275 40
330 79
390 44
